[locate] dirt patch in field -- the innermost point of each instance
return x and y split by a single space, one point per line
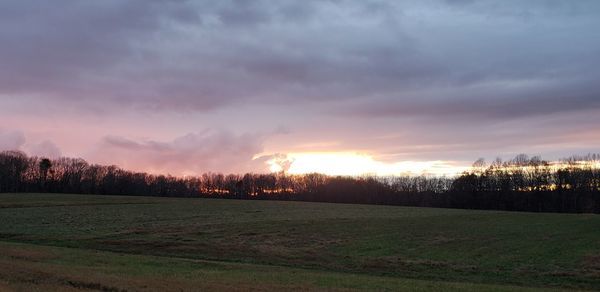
5 288
21 275
12 271
441 240
395 263
52 205
591 265
23 253
135 245
263 247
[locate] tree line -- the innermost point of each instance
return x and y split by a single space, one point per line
520 184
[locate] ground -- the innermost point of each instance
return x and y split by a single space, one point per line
117 243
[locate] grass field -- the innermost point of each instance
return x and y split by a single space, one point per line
109 243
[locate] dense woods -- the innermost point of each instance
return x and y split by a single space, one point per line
521 184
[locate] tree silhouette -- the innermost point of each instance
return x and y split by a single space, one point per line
521 183
44 166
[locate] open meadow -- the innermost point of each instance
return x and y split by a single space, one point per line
116 243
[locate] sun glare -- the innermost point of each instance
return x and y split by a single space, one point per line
350 163
274 166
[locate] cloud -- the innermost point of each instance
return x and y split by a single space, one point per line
16 140
69 51
45 148
277 162
190 154
11 140
445 71
204 55
485 103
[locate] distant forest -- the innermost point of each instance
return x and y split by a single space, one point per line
520 184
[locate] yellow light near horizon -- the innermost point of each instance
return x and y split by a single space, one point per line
350 163
275 167
330 163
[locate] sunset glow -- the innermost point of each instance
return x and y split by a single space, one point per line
351 163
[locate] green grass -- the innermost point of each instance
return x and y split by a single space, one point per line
271 245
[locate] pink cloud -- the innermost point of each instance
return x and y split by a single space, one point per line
45 149
190 154
16 140
11 140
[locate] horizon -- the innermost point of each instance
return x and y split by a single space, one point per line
521 162
335 87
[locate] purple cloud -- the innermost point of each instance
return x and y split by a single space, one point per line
203 55
193 153
11 140
45 149
16 140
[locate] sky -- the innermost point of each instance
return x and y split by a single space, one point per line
340 87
